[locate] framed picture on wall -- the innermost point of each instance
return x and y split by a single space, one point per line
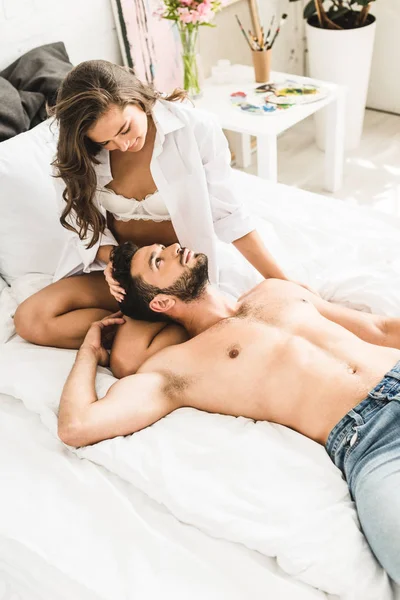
149 45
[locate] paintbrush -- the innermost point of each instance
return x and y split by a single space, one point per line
269 30
254 41
282 21
261 39
244 33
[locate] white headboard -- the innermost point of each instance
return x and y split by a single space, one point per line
86 27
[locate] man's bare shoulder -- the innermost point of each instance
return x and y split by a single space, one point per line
271 288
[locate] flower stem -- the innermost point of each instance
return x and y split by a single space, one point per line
188 35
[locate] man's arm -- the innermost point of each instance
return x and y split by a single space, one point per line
137 341
375 329
129 405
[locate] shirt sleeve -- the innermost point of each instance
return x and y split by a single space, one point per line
231 219
76 247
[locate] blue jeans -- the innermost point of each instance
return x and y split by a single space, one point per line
365 445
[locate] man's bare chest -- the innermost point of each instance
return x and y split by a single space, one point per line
219 356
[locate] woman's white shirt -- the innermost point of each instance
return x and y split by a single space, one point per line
191 169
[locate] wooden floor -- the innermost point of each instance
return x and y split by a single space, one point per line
371 173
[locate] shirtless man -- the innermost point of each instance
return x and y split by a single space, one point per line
279 354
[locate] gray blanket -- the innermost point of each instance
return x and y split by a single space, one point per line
27 84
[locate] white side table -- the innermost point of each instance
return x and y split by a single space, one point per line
266 128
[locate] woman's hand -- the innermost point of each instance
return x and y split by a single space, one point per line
115 289
99 336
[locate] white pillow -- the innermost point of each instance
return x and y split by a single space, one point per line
31 236
8 306
3 285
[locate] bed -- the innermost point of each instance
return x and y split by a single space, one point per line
73 530
198 505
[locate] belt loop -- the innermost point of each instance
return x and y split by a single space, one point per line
394 375
358 418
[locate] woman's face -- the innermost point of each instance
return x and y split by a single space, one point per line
121 129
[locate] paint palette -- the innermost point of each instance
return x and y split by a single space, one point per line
238 97
256 109
292 92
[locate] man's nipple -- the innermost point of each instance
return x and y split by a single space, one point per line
234 351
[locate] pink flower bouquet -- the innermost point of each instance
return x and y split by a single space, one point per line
189 15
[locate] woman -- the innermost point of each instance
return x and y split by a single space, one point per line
132 166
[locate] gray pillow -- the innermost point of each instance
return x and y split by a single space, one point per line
13 118
27 84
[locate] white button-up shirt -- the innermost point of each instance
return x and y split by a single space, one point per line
191 169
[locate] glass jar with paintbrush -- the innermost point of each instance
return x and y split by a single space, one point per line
261 43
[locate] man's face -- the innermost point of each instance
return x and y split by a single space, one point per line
172 267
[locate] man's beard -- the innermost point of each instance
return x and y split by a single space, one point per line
192 283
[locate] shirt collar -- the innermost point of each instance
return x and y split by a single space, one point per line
165 120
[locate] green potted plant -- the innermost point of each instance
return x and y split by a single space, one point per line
341 14
340 40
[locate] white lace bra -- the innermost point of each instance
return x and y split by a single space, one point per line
151 208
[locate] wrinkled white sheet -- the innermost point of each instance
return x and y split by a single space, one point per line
71 530
350 254
255 483
7 308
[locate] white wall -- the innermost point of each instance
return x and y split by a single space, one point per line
384 88
85 26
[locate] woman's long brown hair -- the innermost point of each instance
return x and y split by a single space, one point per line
86 93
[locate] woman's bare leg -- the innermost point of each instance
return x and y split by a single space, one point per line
60 314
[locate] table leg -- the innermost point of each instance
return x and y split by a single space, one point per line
242 149
334 142
267 157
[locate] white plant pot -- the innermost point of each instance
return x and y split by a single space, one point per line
343 57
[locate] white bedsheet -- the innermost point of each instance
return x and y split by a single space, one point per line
7 308
71 530
350 254
258 484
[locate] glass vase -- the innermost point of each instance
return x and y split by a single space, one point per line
191 71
